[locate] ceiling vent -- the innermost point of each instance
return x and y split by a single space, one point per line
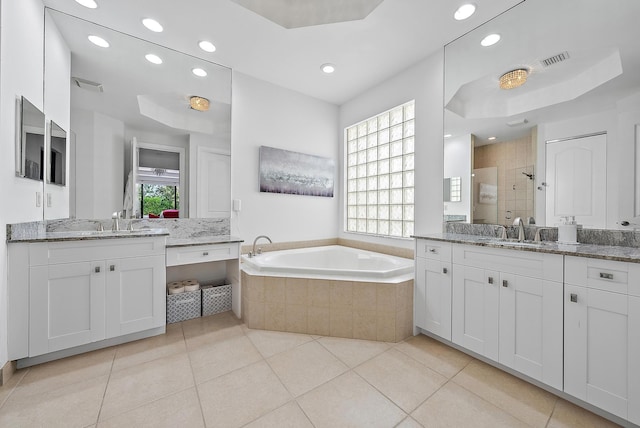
87 84
518 122
552 60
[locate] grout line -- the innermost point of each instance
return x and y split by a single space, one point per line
106 386
552 412
15 387
193 376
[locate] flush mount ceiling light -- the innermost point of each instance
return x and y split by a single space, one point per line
199 103
91 4
98 41
328 68
513 78
199 72
447 135
153 59
207 46
152 25
490 40
491 138
464 11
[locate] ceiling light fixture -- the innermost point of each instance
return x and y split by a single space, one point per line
207 46
199 103
328 68
153 59
152 25
98 41
491 138
447 135
199 72
464 11
513 78
490 40
91 4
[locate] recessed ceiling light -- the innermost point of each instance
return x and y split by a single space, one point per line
91 4
154 59
464 11
98 41
207 46
152 25
447 135
199 72
491 138
490 40
328 68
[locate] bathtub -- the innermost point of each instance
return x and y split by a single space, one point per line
332 262
329 291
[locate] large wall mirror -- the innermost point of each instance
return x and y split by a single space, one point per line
128 95
560 138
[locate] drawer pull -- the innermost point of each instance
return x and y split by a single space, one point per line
490 280
444 270
606 275
573 297
97 269
505 283
206 253
112 268
432 250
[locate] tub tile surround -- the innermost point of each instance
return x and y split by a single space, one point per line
349 309
297 380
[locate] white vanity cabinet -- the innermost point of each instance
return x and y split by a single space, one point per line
602 334
433 287
72 293
506 306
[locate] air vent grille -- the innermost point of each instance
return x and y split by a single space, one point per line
555 59
87 84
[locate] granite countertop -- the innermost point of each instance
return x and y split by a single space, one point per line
85 235
202 240
607 252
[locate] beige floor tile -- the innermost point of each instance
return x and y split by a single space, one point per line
353 352
303 368
9 386
242 396
287 416
568 415
152 348
454 406
74 405
222 357
401 378
144 383
178 410
409 422
273 342
67 371
521 399
206 330
435 355
349 401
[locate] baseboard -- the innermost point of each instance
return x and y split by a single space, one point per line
7 372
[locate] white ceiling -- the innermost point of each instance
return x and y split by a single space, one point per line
394 36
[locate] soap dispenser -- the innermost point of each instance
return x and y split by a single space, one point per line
568 230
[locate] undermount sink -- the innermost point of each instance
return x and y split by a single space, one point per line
508 243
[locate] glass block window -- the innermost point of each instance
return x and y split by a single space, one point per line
380 173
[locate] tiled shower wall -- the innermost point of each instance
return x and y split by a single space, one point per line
516 191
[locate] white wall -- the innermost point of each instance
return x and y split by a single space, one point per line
269 115
21 32
422 82
457 163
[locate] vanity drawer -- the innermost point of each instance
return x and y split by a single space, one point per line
608 275
434 250
201 254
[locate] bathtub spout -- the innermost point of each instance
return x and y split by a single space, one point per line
259 249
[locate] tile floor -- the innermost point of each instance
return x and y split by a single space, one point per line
215 372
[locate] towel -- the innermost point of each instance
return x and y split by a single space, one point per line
488 193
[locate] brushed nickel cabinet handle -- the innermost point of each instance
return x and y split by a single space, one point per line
505 283
206 253
490 280
97 269
573 297
606 275
112 268
444 270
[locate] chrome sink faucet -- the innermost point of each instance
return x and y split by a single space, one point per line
115 225
253 253
503 235
520 225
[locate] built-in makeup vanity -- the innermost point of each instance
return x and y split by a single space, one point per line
73 289
564 317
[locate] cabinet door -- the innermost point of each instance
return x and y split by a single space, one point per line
475 310
596 347
136 297
634 359
66 306
433 297
530 337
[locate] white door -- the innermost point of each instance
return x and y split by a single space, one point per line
433 297
135 295
576 180
596 347
66 306
475 310
530 340
214 184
